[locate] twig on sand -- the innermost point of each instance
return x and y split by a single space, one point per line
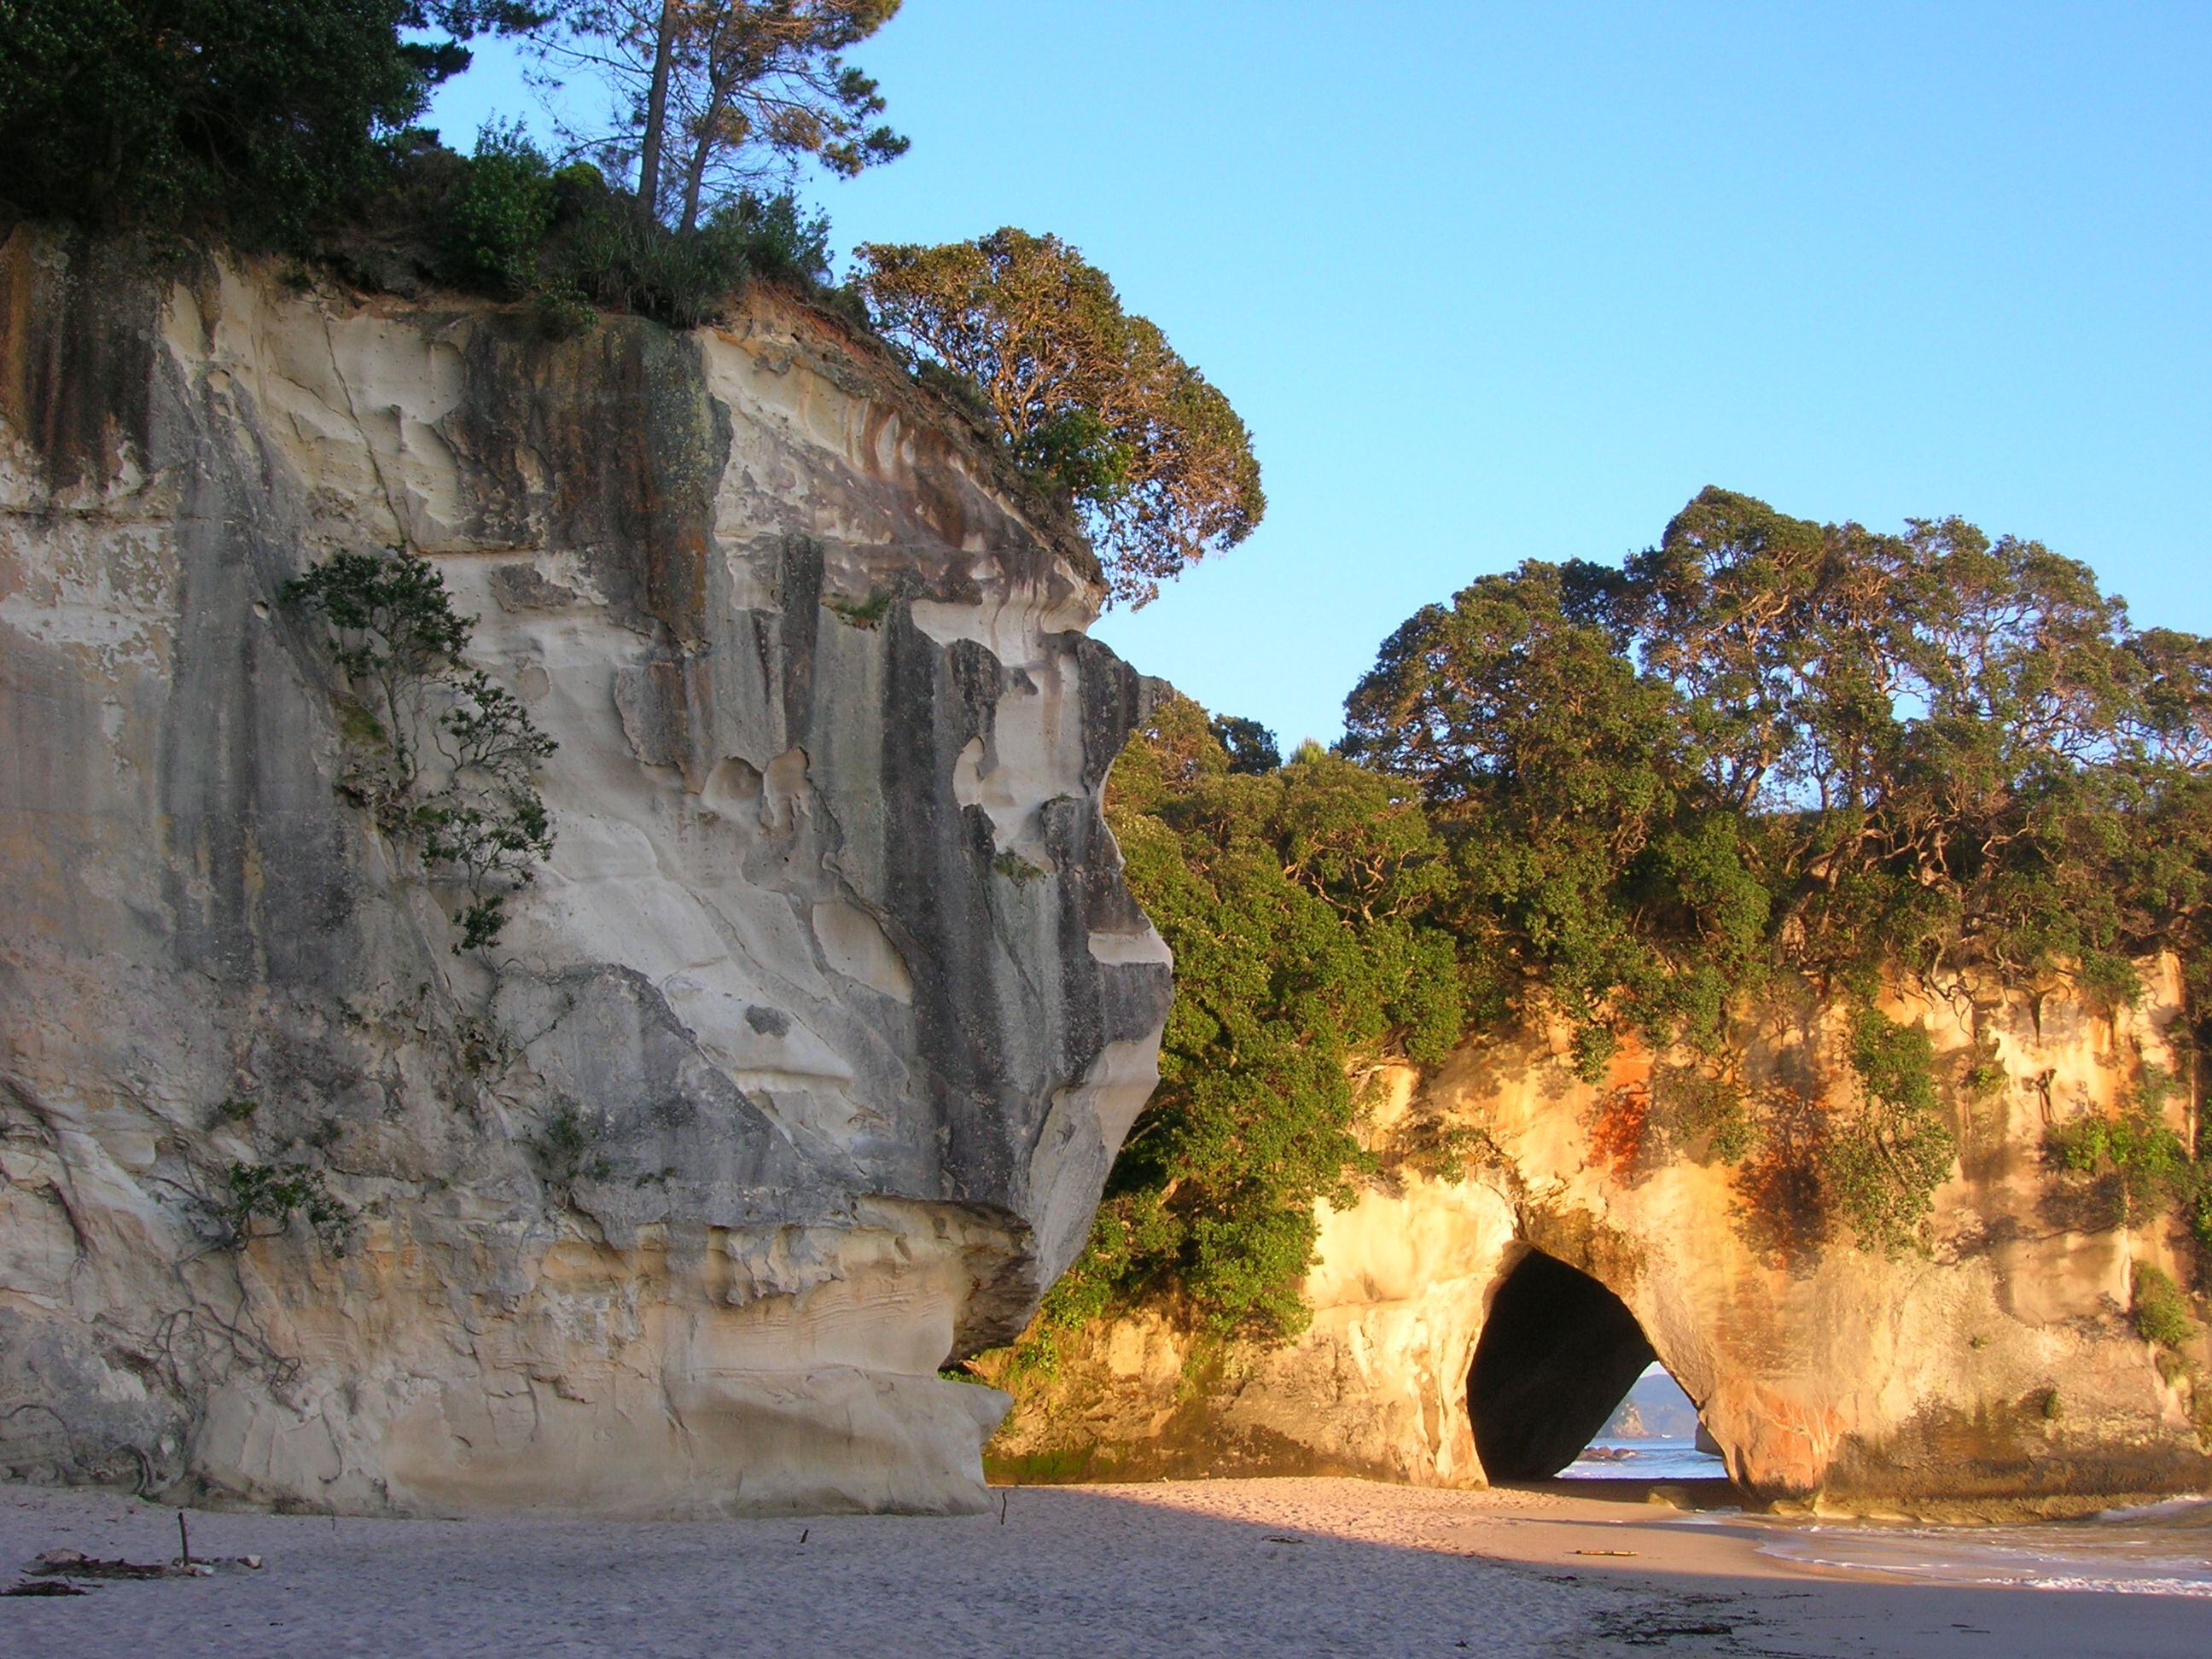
64 1565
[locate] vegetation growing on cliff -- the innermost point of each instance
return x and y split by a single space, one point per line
1767 743
1299 902
1769 748
1766 757
265 116
286 126
442 757
2144 1167
1092 399
259 1200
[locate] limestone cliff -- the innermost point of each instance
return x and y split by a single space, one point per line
1485 1324
798 1070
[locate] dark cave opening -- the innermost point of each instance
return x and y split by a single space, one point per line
1558 1353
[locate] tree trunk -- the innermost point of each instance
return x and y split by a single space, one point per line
656 112
695 174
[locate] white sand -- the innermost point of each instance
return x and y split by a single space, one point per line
1183 1569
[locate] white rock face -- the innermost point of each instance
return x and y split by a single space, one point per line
2000 1366
797 1072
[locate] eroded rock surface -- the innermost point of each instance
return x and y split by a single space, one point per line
1998 1367
796 1073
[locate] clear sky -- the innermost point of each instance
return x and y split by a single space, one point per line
1496 283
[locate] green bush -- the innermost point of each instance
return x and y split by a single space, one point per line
264 119
1297 901
624 262
567 1149
272 1194
1881 1166
2149 1162
444 759
2160 1311
497 221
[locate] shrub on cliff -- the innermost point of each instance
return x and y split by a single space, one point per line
1089 398
2160 1312
1297 900
507 222
285 123
444 759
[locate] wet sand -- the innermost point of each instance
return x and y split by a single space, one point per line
1218 1567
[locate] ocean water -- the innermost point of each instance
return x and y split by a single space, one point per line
1654 1458
2160 1549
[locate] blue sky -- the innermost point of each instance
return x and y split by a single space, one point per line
1492 284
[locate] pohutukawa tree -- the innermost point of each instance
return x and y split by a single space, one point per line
1088 397
1770 750
714 98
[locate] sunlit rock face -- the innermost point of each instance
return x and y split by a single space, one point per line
795 1075
1998 1366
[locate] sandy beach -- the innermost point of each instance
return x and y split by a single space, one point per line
1231 1567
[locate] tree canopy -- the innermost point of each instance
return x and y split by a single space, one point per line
266 112
1766 743
712 99
1091 397
1770 750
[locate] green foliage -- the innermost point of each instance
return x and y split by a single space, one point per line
1882 1167
258 1196
1017 869
286 121
1706 1110
1297 903
567 1149
1984 1073
443 757
2160 1312
712 97
264 117
604 250
1090 400
864 613
1770 741
2149 1162
1769 752
507 222
1250 746
501 213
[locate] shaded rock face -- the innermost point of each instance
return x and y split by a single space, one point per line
2000 1367
795 1075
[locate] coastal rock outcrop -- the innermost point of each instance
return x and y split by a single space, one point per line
795 1075
1479 1319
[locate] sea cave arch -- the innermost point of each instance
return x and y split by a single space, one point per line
1558 1353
